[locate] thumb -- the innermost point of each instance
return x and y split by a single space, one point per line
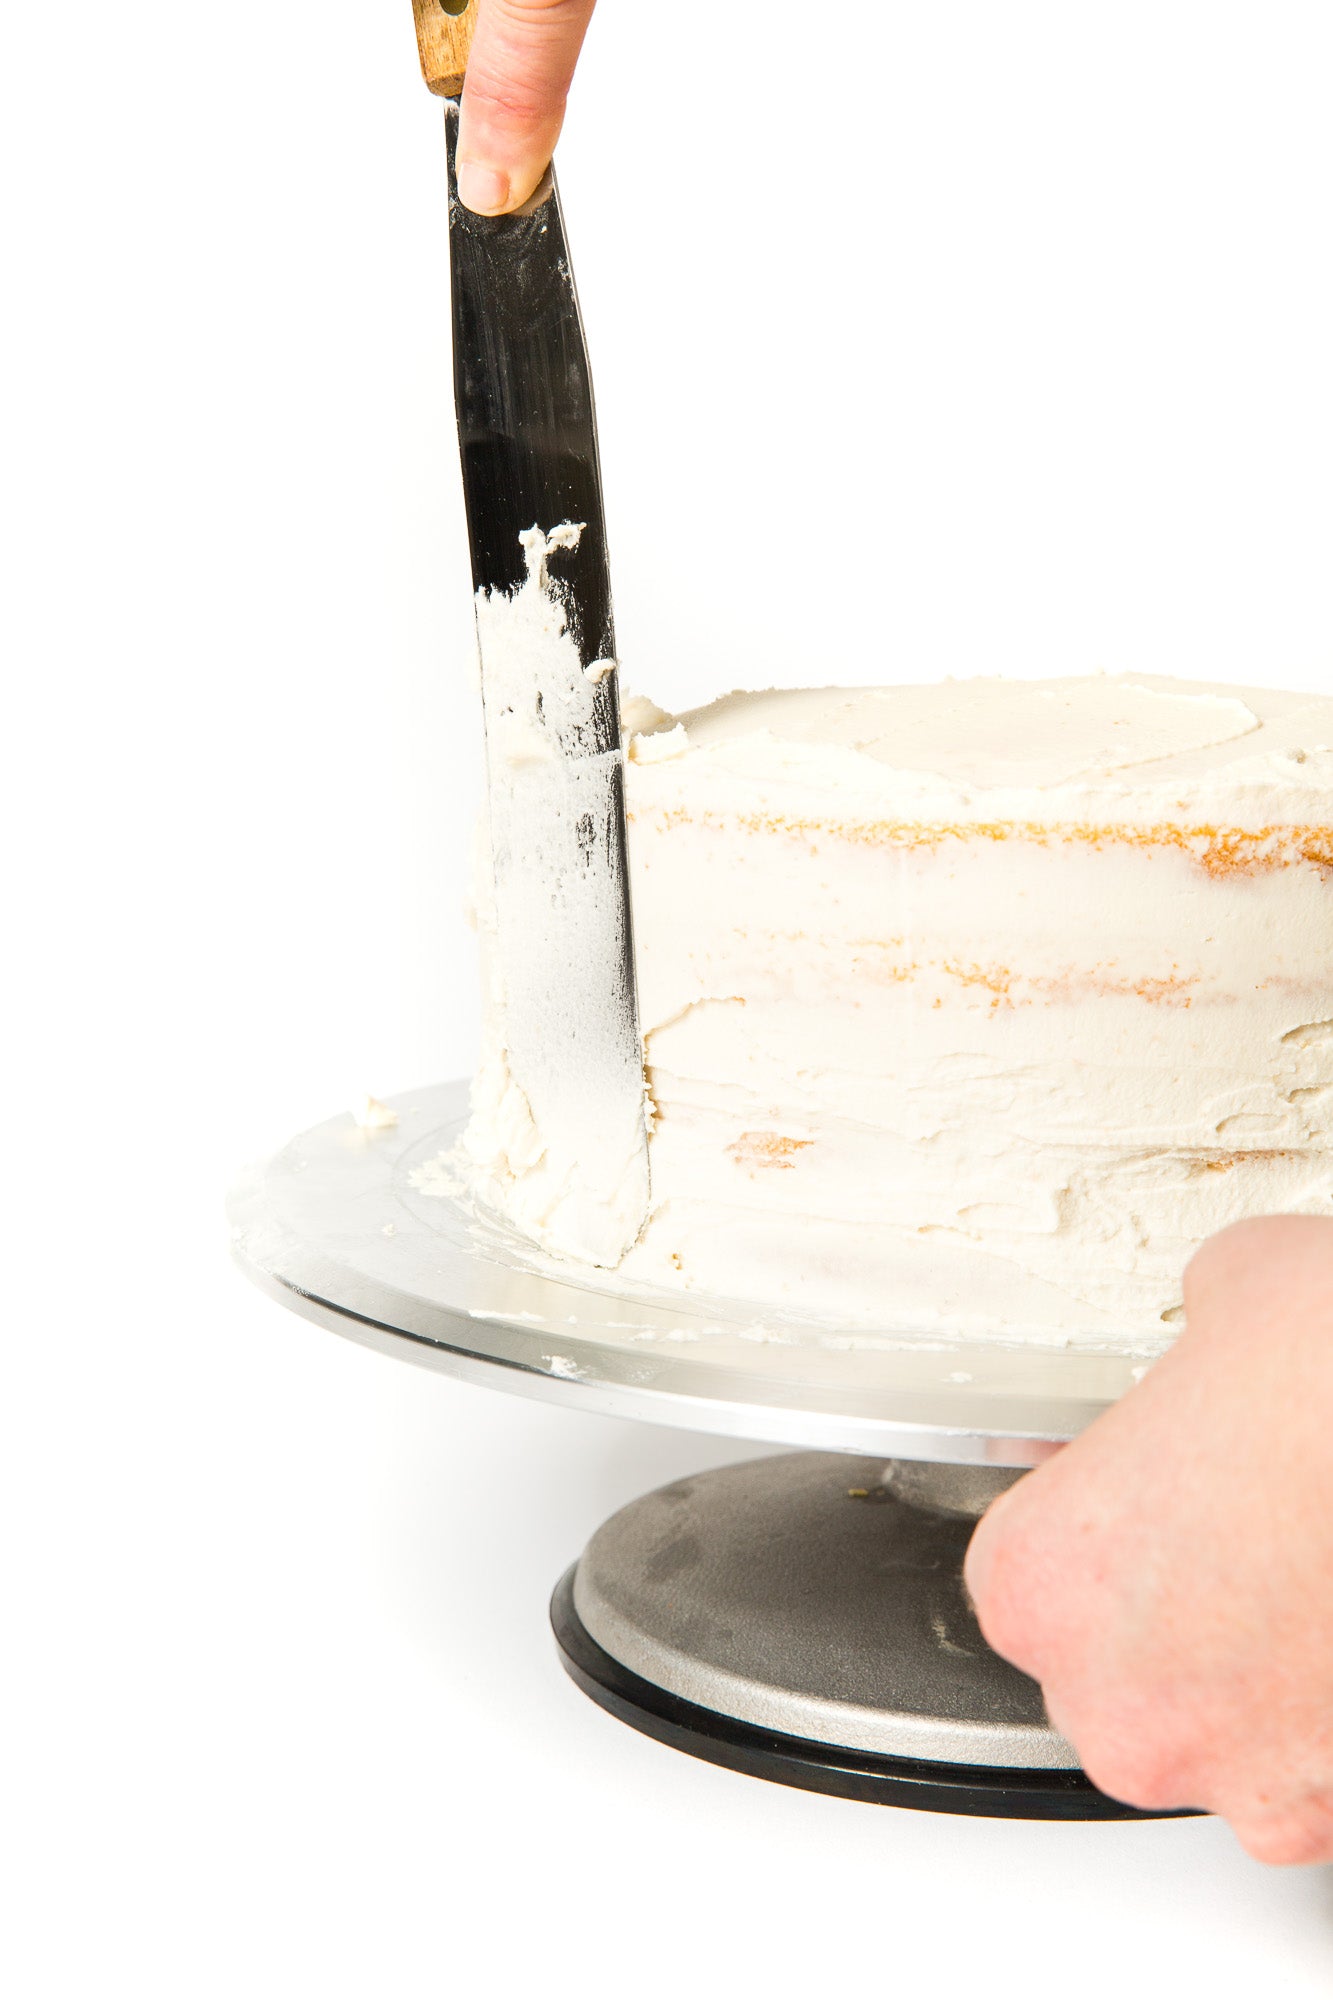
518 75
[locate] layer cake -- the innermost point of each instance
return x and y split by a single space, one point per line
971 1007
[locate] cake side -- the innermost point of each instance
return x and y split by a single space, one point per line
975 1007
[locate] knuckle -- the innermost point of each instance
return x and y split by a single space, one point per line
512 95
551 13
1139 1775
1239 1256
1004 1608
1286 1843
1298 1837
541 35
1131 1755
522 61
1214 1265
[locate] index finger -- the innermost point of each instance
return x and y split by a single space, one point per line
518 76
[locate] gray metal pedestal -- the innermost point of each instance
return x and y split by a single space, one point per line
803 1618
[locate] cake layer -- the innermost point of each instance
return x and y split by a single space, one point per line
975 1006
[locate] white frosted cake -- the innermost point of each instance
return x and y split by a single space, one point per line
971 1007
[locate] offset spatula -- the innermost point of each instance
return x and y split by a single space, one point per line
571 1108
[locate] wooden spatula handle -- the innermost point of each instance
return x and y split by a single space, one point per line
443 40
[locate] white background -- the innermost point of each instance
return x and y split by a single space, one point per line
933 337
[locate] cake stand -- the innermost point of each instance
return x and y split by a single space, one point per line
801 1617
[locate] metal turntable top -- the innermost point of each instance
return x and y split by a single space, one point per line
333 1227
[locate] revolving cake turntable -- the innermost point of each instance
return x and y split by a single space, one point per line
800 1617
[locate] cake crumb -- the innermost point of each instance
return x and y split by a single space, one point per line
755 1150
372 1116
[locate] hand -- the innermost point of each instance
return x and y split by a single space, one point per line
518 74
1168 1577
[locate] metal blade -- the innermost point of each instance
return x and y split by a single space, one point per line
562 942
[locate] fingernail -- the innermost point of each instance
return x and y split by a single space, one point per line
482 189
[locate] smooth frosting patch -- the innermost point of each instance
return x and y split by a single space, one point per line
990 733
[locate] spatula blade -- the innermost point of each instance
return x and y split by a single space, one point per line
561 938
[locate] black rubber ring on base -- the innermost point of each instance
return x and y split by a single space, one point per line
995 1792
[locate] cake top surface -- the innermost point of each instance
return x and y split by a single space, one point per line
1113 738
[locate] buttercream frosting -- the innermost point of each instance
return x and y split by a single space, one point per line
973 1007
